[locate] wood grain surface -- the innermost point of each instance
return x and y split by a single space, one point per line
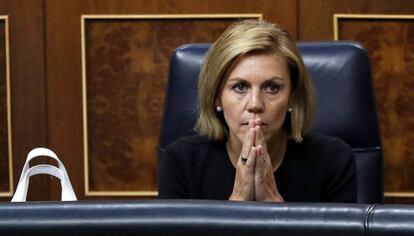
392 58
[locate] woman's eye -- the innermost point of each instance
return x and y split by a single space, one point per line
240 87
272 88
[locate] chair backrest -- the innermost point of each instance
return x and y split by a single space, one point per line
341 75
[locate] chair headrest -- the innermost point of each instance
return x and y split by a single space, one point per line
340 72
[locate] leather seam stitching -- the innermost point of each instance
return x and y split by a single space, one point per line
367 218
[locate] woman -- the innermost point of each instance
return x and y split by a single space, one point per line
256 106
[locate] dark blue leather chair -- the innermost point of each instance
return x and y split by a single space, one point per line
341 75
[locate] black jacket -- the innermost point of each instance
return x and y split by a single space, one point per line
320 169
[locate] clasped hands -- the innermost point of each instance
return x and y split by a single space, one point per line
254 179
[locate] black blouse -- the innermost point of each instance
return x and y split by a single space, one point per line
320 169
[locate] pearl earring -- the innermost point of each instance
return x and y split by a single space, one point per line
290 110
219 109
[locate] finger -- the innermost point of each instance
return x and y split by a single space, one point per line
251 161
248 141
259 138
247 146
259 150
258 121
261 158
252 124
264 153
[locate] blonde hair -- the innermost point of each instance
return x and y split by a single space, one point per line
239 39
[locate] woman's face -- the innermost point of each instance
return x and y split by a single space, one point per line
257 85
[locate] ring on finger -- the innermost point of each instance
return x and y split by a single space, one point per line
243 159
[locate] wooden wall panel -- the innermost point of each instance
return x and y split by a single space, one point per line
28 103
64 77
315 17
391 55
126 75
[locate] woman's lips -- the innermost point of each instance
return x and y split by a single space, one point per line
261 123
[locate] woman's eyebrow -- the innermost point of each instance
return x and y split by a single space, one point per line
276 78
237 79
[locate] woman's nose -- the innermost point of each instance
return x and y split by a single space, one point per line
255 103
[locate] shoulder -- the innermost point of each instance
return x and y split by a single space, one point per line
191 141
322 149
191 151
195 140
192 144
332 151
320 142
